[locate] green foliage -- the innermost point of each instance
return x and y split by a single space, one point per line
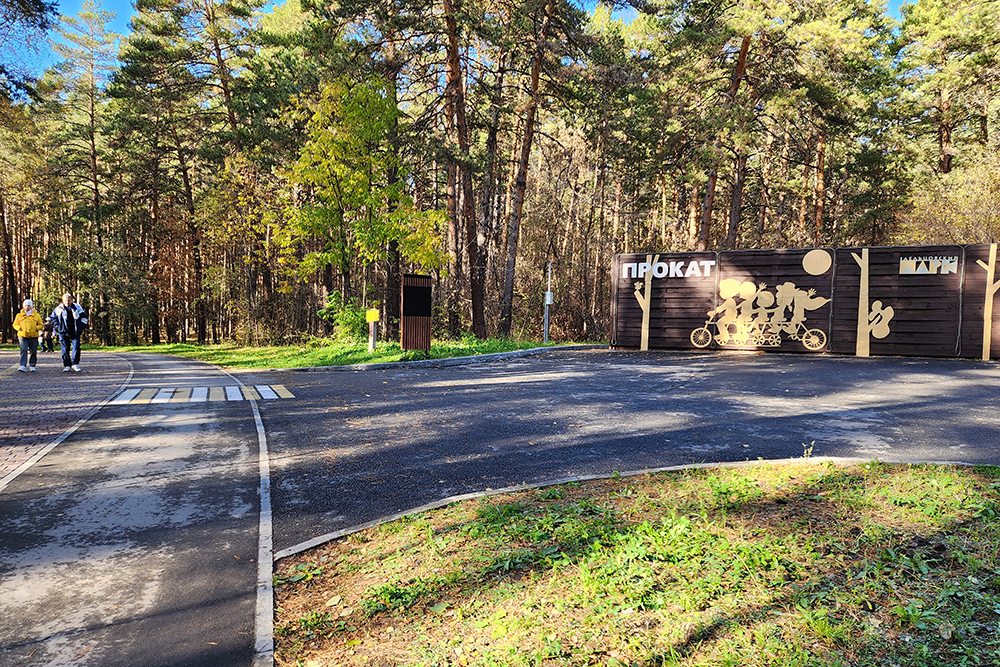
325 352
354 176
229 166
962 206
300 572
390 596
348 319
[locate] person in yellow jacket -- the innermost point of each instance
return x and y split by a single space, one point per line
28 325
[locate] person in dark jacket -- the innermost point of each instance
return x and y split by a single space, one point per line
69 320
47 336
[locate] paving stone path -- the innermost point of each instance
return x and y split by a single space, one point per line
40 406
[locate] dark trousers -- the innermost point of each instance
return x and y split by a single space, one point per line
70 350
29 345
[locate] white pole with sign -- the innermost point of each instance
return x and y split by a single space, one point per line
548 302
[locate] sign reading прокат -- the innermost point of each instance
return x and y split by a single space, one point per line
672 269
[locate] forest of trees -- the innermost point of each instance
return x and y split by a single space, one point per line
228 173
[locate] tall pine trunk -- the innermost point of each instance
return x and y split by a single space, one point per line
736 201
455 94
764 197
820 189
12 303
194 234
521 180
713 175
489 196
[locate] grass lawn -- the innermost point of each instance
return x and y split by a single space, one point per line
774 564
323 353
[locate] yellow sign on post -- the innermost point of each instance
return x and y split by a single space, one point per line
372 317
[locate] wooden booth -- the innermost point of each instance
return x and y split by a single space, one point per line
908 300
416 309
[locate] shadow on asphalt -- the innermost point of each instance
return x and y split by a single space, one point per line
354 447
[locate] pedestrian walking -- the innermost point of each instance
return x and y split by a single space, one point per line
69 320
46 338
28 324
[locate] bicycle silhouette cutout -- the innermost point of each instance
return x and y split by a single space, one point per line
751 314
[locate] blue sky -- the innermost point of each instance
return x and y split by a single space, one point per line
123 12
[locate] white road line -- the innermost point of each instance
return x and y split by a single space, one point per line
164 395
199 394
264 623
266 392
125 396
264 616
234 394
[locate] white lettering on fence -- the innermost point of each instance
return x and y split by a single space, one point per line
675 269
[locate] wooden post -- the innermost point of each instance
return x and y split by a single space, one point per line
991 288
646 300
862 348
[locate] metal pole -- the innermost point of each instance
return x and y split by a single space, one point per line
548 300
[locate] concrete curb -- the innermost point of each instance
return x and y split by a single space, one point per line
429 363
437 504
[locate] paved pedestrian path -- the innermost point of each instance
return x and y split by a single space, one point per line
134 542
38 407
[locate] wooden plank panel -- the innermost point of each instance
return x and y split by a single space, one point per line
774 300
922 300
978 298
680 288
415 307
922 286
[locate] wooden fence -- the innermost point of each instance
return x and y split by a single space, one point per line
934 301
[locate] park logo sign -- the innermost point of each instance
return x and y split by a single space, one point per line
912 301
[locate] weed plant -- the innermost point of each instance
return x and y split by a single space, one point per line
776 565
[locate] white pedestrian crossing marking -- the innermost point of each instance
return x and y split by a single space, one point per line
164 395
266 392
201 394
125 396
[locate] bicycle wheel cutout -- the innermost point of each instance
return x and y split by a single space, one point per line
701 337
814 339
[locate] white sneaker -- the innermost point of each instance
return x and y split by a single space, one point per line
65 369
32 369
76 368
21 369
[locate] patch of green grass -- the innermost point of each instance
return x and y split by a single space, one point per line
812 565
325 353
301 572
395 596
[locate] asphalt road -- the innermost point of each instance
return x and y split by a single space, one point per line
134 542
356 446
